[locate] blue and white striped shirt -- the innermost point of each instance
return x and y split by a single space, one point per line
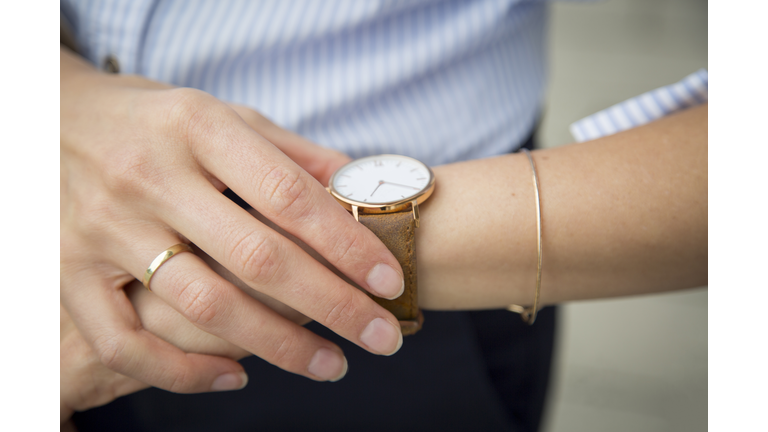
649 106
440 81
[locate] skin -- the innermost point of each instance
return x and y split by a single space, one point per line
143 166
621 215
86 382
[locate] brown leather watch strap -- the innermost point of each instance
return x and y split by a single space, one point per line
397 232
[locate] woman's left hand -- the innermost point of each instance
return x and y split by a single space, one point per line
87 383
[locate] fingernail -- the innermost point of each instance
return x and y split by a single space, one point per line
230 381
385 281
382 337
328 365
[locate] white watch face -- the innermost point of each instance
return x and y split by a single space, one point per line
382 179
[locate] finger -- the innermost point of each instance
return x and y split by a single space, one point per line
284 310
268 263
217 307
318 161
121 344
280 190
85 382
162 320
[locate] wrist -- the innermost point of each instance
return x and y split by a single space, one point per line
478 241
87 94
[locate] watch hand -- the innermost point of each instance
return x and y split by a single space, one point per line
402 185
381 182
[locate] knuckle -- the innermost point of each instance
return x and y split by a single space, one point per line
284 350
257 258
131 172
200 301
183 381
286 192
175 118
342 311
111 352
349 245
190 112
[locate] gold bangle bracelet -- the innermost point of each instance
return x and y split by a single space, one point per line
528 313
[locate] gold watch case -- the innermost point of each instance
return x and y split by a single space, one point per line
412 201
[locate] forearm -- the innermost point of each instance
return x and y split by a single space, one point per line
622 215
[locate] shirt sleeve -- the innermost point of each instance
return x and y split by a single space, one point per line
691 91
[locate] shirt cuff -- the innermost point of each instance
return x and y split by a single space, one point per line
691 91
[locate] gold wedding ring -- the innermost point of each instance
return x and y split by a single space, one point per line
162 258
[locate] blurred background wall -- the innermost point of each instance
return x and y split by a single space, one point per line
633 364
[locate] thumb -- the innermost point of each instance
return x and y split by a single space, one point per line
318 161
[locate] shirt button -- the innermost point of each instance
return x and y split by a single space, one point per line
111 65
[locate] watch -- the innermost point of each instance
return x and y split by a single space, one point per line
383 193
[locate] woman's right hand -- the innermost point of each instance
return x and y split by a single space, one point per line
143 166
